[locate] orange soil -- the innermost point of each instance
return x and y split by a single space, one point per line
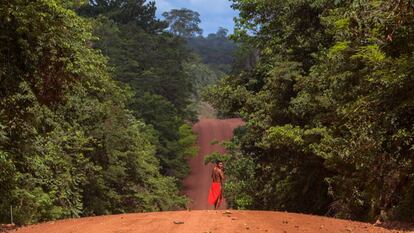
204 221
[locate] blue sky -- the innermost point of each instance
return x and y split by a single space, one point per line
213 13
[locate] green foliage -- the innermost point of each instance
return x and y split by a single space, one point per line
153 65
69 146
183 22
187 141
371 53
147 62
328 108
216 50
8 178
139 12
31 53
215 157
202 75
338 48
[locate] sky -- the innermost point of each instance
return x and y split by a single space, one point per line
213 13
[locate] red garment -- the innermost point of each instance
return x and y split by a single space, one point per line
215 193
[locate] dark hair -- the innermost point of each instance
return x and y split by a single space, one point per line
218 161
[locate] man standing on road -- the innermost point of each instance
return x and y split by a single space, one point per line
215 195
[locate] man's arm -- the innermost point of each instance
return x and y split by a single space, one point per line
221 176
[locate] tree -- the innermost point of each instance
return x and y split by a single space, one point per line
222 32
183 22
125 11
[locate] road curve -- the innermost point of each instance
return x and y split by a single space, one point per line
197 184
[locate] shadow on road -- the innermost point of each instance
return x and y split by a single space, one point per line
399 226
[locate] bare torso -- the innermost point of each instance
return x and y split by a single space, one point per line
217 175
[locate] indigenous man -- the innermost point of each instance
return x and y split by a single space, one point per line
216 194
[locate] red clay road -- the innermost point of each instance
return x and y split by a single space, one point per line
205 221
197 184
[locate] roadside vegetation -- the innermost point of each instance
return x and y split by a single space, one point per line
326 89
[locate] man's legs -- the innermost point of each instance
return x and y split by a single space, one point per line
218 201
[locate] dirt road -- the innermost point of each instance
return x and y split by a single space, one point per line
197 184
205 221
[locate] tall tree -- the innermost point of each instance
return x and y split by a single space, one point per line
183 22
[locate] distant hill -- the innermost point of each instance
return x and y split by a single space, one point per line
216 50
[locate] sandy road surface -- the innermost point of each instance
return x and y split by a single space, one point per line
205 221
